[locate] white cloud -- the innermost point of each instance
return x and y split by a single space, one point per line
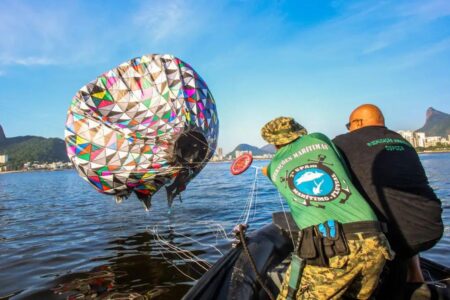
420 55
30 35
425 10
370 33
27 61
57 33
161 19
402 21
75 33
178 25
69 33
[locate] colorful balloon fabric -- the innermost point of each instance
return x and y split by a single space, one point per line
150 122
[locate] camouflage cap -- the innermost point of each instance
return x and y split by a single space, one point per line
282 130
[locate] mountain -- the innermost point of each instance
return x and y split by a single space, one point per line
437 123
246 147
269 148
24 149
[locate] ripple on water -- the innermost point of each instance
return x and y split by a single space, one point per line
60 238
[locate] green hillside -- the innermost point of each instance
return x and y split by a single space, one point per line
246 147
24 149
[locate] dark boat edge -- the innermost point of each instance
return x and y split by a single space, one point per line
232 276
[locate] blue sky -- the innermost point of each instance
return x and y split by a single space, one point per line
312 60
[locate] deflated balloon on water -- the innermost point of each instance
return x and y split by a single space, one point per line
148 123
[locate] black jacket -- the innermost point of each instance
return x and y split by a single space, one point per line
388 171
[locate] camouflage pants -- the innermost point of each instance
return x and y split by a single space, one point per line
354 276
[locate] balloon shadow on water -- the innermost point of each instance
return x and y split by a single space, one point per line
140 268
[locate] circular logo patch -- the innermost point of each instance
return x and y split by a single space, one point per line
314 182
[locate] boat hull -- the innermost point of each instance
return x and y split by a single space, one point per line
232 277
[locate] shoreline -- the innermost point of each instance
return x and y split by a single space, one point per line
10 172
433 152
230 161
28 171
210 162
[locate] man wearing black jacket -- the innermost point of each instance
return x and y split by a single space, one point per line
387 170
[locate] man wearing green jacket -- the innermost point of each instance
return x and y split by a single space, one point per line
341 241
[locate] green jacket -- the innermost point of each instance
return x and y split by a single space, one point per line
313 178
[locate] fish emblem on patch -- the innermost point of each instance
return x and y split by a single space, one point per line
316 182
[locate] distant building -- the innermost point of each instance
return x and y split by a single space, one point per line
219 153
420 139
238 153
416 139
3 159
264 156
432 141
215 158
407 135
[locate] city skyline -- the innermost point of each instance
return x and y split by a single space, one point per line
417 139
414 136
312 60
420 139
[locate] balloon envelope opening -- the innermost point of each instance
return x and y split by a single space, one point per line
191 149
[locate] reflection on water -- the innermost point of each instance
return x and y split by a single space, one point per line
60 239
139 270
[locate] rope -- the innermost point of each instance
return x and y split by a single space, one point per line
183 254
251 196
243 218
256 198
287 221
252 262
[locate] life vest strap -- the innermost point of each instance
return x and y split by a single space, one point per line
297 266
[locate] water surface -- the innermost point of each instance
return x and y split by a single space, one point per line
60 239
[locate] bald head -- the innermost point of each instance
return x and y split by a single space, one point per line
365 115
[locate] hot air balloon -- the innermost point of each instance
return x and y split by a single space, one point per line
148 123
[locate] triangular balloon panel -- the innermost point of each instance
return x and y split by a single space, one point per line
141 126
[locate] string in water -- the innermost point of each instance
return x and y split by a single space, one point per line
187 256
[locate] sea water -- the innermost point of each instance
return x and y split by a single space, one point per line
60 239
